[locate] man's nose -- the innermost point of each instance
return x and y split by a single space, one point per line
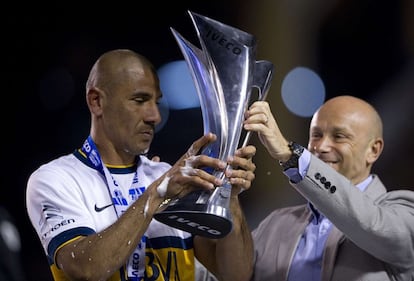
323 145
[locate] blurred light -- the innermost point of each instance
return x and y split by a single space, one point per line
165 113
10 236
303 91
178 86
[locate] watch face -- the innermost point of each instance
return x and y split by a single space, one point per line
293 160
297 149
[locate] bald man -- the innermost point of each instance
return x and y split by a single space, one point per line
351 228
93 209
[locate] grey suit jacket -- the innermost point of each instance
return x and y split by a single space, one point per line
372 238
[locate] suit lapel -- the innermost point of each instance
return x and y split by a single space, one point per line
288 248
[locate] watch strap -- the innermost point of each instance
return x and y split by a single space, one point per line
293 161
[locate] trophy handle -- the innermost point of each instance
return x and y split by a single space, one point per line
262 80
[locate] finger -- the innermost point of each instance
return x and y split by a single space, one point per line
204 161
240 175
259 113
258 118
248 151
200 143
239 185
259 107
237 162
181 184
197 178
195 166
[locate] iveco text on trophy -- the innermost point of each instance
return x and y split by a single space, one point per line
224 71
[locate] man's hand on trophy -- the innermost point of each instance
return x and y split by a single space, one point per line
259 118
241 174
189 172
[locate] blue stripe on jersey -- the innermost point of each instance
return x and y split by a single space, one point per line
65 236
114 170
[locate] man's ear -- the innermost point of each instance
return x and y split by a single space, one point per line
375 150
94 100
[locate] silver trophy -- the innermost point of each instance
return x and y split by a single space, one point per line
225 72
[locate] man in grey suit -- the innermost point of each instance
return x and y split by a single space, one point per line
352 228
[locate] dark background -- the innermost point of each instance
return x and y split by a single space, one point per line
361 47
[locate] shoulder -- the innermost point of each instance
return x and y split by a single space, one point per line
401 196
60 174
377 189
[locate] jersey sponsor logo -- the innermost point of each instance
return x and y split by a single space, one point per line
100 209
57 227
168 266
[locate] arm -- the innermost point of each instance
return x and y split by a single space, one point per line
261 120
372 221
99 256
231 257
376 221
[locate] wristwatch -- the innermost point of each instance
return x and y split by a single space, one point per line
293 161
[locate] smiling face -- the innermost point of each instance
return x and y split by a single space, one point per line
346 133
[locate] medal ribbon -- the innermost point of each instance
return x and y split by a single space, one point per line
136 263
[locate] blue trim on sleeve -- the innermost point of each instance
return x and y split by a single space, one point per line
65 236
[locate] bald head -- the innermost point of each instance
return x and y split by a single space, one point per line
346 132
122 94
113 67
355 110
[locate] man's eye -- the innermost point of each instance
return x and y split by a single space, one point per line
339 136
139 100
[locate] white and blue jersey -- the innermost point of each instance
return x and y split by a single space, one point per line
68 198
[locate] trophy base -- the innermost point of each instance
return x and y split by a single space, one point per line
210 221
